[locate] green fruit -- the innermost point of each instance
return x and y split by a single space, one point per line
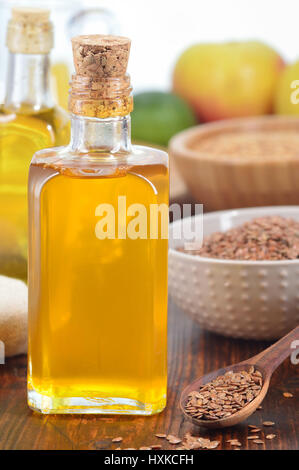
157 116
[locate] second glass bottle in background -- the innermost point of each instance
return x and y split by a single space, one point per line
29 121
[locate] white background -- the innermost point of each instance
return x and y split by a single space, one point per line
161 29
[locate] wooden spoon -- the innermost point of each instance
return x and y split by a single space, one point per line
266 362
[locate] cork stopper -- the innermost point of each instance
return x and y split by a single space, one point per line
101 56
30 15
29 31
101 86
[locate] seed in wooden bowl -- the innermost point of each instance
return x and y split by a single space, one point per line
225 395
117 439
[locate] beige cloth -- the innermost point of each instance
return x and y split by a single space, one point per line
13 315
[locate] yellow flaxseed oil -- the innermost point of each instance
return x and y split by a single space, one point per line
29 121
97 328
98 219
21 135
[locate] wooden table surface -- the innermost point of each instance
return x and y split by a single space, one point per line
192 352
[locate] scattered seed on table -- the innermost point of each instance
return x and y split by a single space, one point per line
195 443
161 436
213 444
169 437
268 423
117 439
288 395
235 442
174 440
253 437
258 441
207 444
270 436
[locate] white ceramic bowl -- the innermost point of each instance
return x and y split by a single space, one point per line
241 299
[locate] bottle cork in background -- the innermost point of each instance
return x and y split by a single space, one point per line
99 56
29 31
101 86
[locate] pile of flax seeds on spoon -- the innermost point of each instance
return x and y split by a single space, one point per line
225 395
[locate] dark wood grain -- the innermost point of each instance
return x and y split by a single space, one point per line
192 353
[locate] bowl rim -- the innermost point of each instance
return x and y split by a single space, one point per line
214 261
178 144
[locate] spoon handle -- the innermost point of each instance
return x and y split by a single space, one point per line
272 357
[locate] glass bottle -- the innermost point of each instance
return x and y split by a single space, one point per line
98 217
71 18
28 122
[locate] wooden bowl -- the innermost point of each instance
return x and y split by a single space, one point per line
240 162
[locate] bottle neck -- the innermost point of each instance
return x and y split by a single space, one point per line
28 83
109 135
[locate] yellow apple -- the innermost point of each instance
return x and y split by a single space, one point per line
229 79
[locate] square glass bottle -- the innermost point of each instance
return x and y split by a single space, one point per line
98 217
